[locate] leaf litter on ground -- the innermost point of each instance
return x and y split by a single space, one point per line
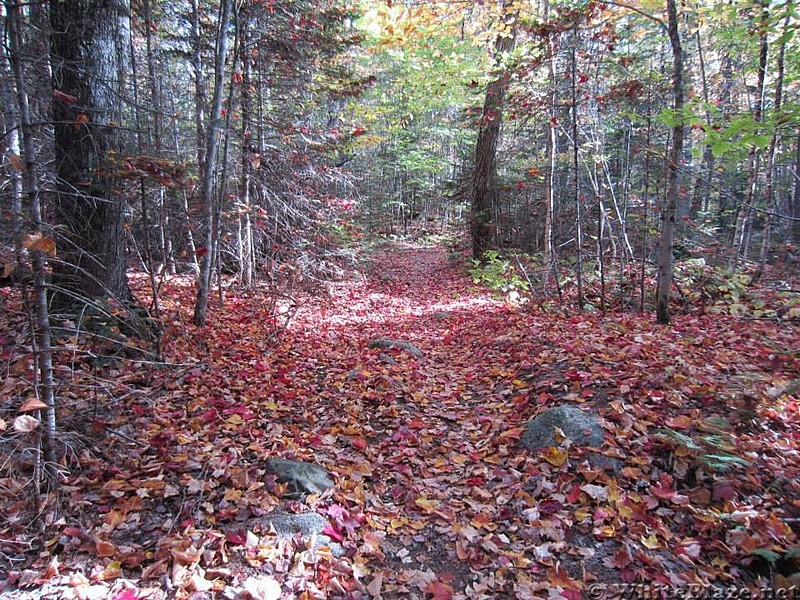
434 497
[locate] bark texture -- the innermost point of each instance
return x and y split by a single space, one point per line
90 43
484 185
665 259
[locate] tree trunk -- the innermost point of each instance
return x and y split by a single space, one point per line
552 151
89 59
42 339
743 218
665 259
796 195
484 184
769 192
576 181
212 145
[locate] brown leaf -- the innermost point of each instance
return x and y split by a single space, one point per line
16 162
32 404
105 549
64 97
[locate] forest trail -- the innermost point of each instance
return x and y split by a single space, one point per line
434 496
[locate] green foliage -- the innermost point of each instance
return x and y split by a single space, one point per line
702 282
713 447
499 273
731 293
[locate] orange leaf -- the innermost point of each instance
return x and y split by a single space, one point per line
16 162
680 422
105 549
439 590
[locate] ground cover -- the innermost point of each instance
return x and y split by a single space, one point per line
434 496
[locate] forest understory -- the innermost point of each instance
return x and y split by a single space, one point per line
166 484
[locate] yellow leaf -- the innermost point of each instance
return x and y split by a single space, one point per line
233 495
650 542
427 504
112 571
555 456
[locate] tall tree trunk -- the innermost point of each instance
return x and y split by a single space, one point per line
665 259
796 195
90 59
769 192
484 184
199 87
702 185
42 334
552 151
212 146
576 178
251 159
744 216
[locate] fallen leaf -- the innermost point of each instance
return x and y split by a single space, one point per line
25 424
32 404
439 590
555 456
262 588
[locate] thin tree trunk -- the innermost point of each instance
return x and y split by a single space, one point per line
645 200
769 192
796 196
199 87
665 259
251 159
743 218
576 180
42 335
212 145
552 152
700 194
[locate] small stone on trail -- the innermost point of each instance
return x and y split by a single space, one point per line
385 343
302 478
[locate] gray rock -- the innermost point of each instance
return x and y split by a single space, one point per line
305 525
385 343
387 359
302 478
289 525
580 426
